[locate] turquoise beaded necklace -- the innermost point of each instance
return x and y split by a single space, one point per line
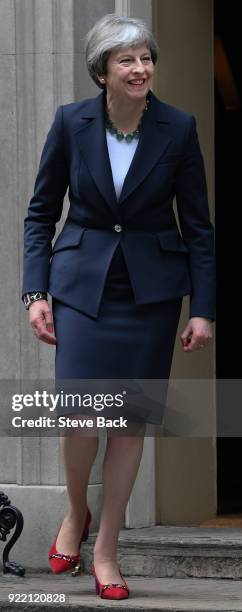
122 135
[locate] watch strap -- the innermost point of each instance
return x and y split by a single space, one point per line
33 296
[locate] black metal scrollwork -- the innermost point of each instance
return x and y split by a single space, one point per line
9 517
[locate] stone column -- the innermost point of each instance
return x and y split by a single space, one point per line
185 78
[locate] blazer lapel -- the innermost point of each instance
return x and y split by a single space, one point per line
93 145
153 142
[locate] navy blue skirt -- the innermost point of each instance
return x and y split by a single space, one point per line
126 341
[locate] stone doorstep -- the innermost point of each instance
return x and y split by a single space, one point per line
146 594
178 552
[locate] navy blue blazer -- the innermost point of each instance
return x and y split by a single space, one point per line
163 263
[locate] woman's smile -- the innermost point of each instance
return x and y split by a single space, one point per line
138 83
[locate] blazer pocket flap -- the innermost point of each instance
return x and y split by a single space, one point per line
69 237
172 242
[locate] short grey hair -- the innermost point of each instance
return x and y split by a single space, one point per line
113 32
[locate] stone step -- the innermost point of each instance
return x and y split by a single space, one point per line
177 552
146 594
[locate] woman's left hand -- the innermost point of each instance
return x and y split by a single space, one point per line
196 334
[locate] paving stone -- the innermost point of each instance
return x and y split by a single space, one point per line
153 595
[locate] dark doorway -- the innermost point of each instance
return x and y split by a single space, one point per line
228 172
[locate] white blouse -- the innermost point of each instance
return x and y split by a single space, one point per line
121 154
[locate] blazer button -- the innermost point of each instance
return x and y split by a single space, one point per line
118 228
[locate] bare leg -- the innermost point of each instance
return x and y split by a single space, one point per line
120 468
79 454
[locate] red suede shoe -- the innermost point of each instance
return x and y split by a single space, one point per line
62 563
111 591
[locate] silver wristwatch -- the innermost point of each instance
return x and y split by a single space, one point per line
33 296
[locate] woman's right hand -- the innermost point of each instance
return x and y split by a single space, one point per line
41 321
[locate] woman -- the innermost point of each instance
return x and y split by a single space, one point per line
120 266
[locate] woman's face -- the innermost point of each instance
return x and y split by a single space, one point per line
125 68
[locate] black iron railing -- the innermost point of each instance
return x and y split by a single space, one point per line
10 517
